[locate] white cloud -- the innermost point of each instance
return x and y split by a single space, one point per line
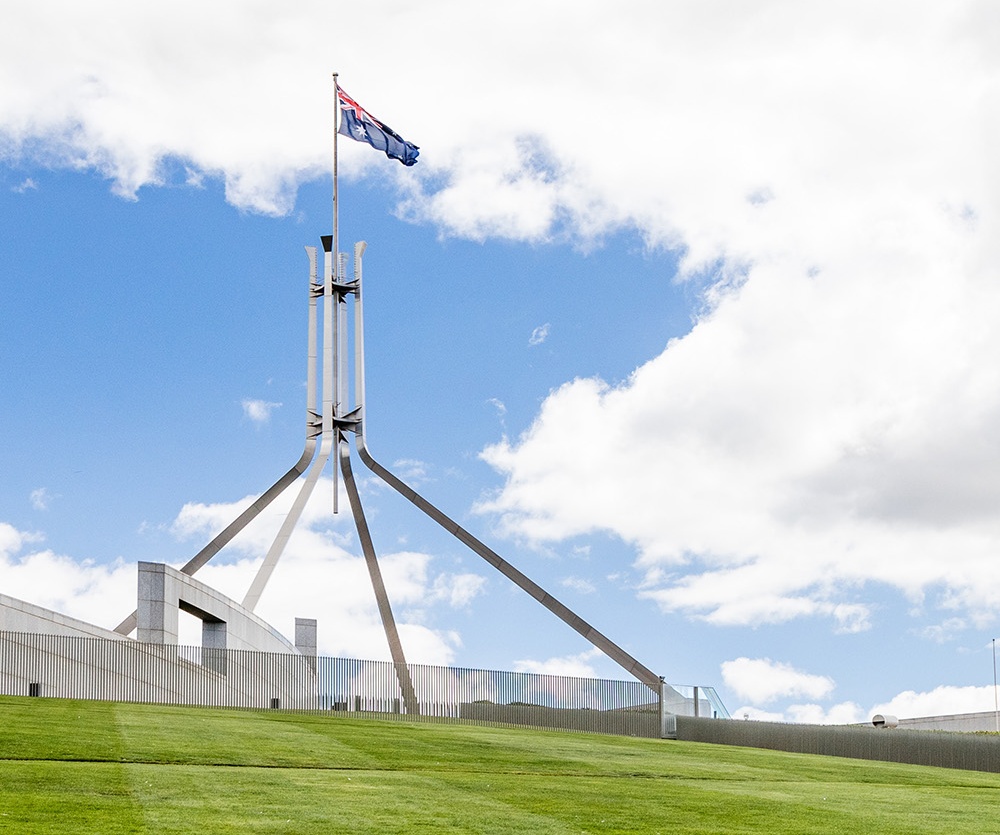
332 585
411 470
95 593
259 411
762 680
579 584
26 185
501 411
10 540
41 498
539 334
844 713
762 145
755 714
941 701
945 631
319 576
577 666
841 446
457 590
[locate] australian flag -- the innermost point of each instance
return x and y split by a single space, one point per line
359 124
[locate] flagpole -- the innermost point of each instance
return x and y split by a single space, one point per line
336 278
336 118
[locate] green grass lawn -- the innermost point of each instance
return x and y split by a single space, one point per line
97 768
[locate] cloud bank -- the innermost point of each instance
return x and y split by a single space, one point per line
762 681
319 576
827 172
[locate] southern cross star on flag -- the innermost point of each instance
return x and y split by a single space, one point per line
359 124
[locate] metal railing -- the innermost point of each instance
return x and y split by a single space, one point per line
700 701
945 749
130 671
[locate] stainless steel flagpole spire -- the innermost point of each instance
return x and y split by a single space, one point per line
339 417
336 418
328 357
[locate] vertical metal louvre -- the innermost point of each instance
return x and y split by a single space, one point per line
130 671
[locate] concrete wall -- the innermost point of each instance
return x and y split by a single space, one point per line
243 661
129 671
967 722
19 616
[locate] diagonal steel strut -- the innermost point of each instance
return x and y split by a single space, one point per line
564 613
385 612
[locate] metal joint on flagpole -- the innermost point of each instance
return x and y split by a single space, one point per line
349 422
345 288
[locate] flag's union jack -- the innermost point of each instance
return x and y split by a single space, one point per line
359 124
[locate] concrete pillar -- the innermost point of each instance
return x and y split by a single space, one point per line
305 639
213 645
156 618
213 634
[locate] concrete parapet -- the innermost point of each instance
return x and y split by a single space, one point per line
21 616
967 722
226 624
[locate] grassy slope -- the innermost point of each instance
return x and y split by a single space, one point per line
87 767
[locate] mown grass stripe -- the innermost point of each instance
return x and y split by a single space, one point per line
81 768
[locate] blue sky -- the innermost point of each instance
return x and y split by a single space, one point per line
702 339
